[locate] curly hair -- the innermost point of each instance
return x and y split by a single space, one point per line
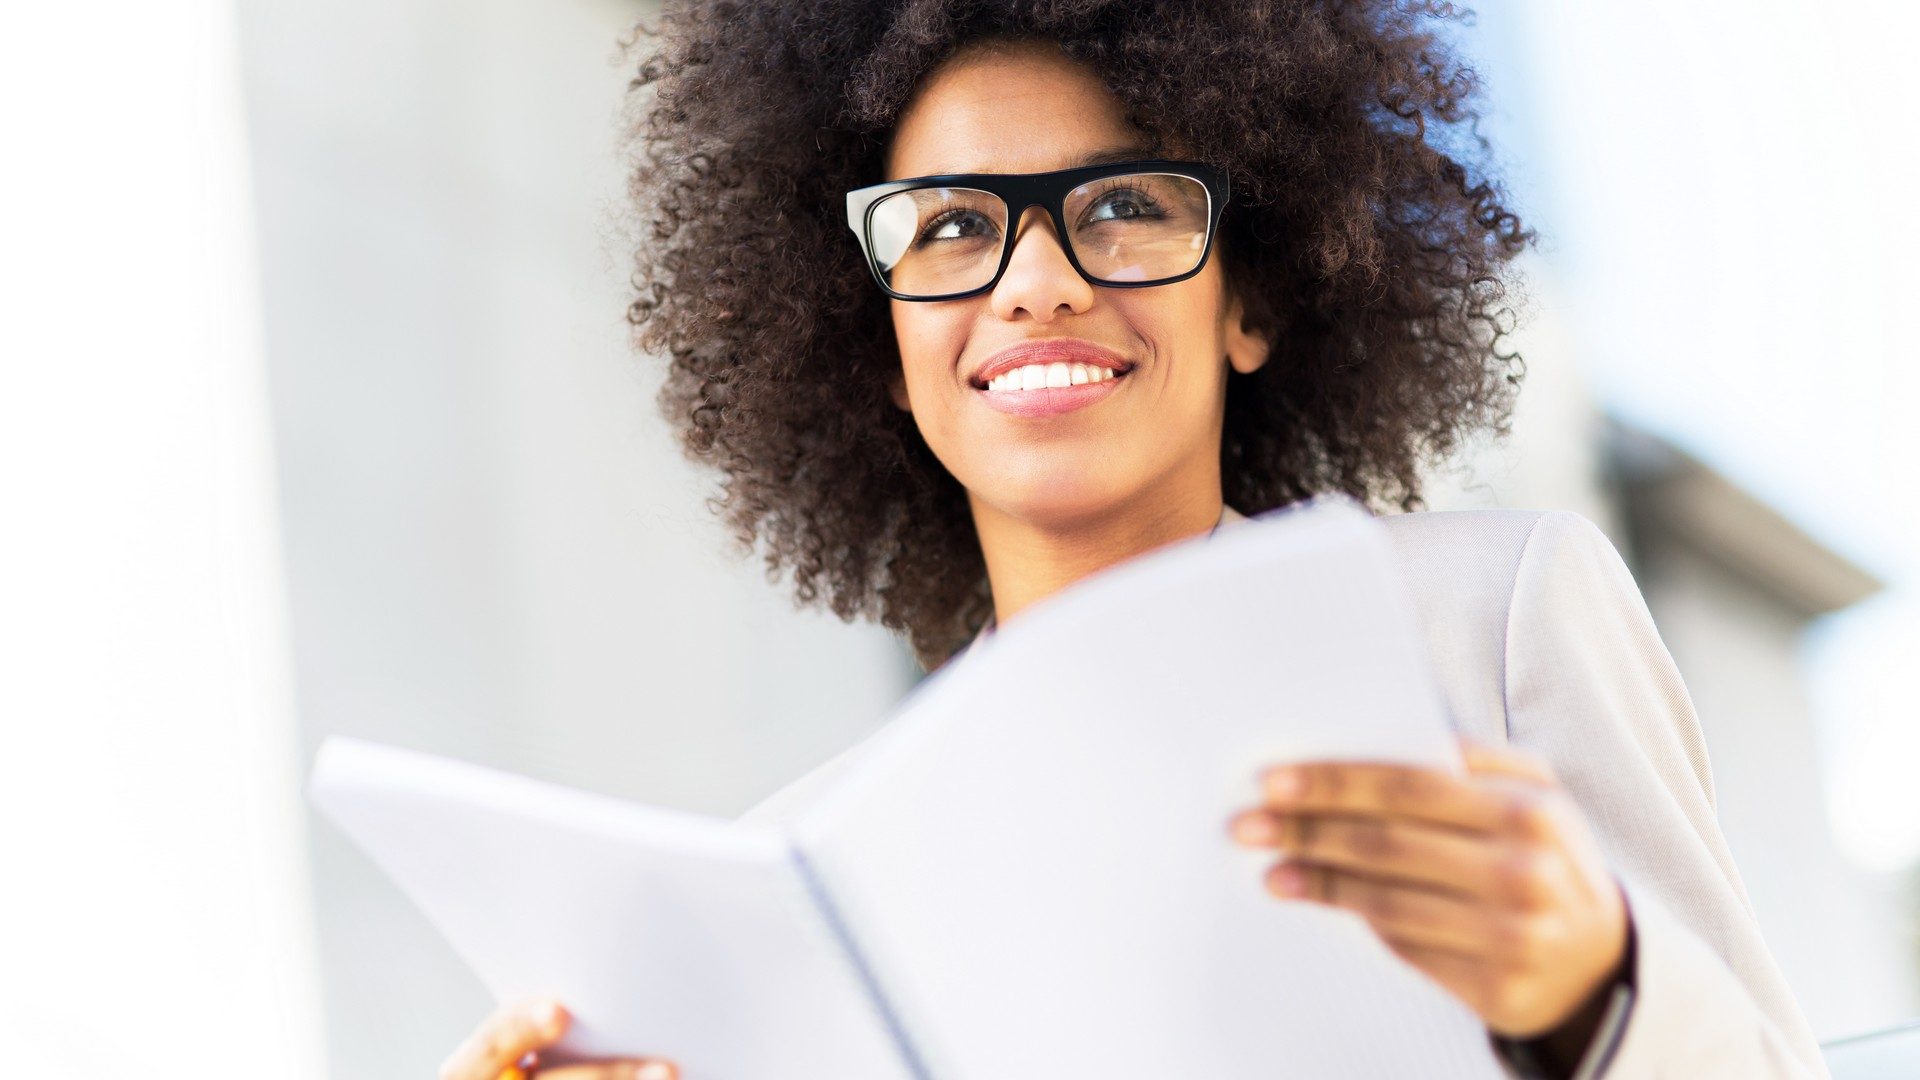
1364 236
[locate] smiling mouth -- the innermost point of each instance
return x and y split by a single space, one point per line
1036 393
1052 375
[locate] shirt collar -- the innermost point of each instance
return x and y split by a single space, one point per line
1228 516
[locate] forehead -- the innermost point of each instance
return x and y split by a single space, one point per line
1023 107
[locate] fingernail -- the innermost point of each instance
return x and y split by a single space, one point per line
1286 879
1254 827
655 1070
1282 783
548 1015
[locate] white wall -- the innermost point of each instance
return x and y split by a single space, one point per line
154 910
496 552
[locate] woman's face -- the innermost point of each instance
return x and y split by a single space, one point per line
1151 443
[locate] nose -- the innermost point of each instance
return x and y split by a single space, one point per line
1039 279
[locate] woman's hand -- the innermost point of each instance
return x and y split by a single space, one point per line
1492 884
504 1046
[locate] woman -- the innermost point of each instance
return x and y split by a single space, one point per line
1200 261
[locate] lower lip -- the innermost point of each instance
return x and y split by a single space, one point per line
1050 400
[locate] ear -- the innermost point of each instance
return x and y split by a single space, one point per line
1247 351
897 390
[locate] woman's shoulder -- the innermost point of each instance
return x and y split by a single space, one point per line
1477 530
1483 581
1477 576
1489 551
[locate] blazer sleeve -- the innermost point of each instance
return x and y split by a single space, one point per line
1591 687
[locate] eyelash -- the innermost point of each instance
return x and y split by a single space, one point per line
943 217
1113 186
1120 184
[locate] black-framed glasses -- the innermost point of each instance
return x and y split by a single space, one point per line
1128 225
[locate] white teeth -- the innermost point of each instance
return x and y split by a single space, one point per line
1036 376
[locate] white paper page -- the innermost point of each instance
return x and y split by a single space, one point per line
664 932
1039 870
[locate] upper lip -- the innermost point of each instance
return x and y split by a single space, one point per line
1047 351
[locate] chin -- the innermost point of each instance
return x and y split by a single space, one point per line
1053 497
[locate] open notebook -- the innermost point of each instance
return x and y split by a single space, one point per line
1030 879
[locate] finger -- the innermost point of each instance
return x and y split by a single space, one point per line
1535 815
1464 977
637 1069
1368 787
1428 917
1397 849
1487 759
505 1037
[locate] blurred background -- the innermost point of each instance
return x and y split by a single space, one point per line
317 415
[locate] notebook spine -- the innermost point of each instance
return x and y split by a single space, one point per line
836 924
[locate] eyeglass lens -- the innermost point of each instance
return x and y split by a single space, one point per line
1133 227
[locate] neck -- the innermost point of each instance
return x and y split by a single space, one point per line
1028 561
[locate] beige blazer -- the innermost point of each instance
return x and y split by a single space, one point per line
1539 637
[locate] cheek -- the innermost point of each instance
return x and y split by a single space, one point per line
930 342
1182 338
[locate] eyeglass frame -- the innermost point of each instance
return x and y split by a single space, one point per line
1017 191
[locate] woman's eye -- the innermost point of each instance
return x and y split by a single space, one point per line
1126 203
957 225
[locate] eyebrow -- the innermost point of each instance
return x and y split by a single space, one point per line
1107 155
